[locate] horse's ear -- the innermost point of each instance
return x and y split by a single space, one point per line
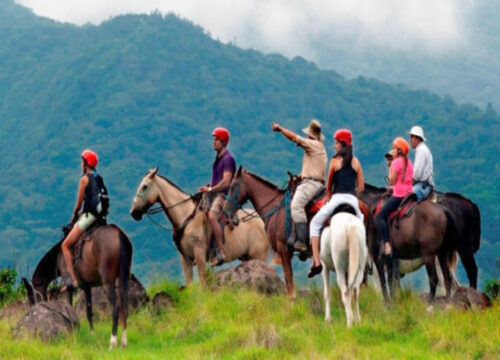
153 174
244 171
29 291
239 171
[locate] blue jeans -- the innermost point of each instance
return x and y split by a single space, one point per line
422 190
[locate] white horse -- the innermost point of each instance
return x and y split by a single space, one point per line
343 250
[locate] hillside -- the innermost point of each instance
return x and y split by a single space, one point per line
240 324
147 90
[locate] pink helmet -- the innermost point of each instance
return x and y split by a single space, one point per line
90 158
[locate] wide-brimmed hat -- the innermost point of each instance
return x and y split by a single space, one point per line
314 130
417 131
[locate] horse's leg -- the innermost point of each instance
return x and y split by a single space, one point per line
111 292
326 292
379 265
70 297
431 272
187 267
344 291
470 266
445 268
200 253
286 260
88 304
355 295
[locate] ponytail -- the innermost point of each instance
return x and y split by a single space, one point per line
345 154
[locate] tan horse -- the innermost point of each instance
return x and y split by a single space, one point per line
192 231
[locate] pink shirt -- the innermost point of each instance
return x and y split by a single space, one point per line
400 188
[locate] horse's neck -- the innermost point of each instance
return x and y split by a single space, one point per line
170 196
263 197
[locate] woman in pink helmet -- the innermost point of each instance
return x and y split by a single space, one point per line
83 219
345 180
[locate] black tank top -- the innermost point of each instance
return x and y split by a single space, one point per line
344 181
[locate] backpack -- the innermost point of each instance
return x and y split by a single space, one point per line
99 199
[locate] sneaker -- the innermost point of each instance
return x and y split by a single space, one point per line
315 270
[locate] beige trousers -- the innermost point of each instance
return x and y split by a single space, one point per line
304 193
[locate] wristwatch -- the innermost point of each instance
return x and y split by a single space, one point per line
209 189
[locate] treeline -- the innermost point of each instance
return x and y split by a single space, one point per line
147 90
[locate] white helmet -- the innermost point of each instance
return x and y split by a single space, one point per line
417 131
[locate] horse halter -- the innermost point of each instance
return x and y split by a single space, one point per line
233 199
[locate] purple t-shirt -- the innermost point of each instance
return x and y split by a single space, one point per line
221 164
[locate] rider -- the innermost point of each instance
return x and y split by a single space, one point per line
223 170
400 177
345 180
422 167
312 175
81 221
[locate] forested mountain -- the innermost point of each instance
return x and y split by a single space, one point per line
147 90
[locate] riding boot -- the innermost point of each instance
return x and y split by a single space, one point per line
300 237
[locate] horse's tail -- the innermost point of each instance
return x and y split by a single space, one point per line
451 228
125 264
476 227
353 245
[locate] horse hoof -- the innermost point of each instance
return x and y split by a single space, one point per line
112 342
328 319
430 309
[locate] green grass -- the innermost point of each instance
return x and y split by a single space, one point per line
241 324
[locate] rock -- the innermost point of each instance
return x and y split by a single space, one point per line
137 298
47 320
161 301
253 274
14 311
469 298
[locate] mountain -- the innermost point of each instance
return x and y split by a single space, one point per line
147 90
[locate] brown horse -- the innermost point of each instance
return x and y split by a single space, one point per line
269 202
467 219
106 257
426 233
247 240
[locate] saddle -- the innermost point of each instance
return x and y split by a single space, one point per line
86 236
404 209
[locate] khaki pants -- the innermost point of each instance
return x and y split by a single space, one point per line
304 193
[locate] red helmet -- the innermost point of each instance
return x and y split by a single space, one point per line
222 134
401 144
90 158
343 135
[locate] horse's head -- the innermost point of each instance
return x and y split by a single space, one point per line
237 195
147 194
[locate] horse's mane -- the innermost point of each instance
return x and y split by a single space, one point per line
374 188
47 270
264 181
458 196
171 183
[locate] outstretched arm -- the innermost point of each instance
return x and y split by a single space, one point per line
290 135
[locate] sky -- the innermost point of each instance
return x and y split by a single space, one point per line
290 27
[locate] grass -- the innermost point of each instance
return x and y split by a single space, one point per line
241 324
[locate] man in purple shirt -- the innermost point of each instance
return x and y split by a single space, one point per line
223 171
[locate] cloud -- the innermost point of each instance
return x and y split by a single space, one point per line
290 26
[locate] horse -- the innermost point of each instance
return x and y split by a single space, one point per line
343 250
467 219
269 202
192 231
426 233
105 258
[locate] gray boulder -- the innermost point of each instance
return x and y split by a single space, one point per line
469 298
47 320
137 298
253 274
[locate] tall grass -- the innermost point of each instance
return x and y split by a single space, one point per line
241 324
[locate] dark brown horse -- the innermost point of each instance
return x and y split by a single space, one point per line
269 202
426 233
106 257
467 219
